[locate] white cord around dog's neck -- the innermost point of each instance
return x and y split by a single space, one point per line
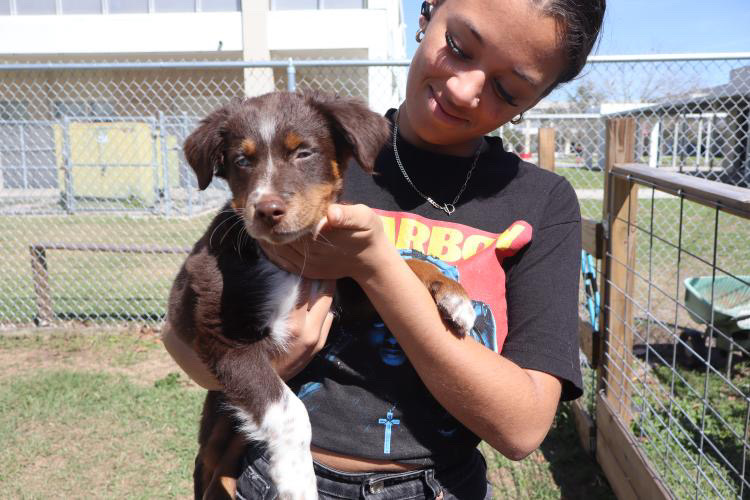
448 208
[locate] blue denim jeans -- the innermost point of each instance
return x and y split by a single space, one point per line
465 481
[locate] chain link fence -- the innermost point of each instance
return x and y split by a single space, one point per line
97 202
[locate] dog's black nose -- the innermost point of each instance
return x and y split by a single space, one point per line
270 209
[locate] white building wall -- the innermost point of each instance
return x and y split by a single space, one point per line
121 33
377 29
375 33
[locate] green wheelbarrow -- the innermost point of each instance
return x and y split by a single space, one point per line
729 304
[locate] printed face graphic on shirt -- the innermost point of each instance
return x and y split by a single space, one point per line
381 339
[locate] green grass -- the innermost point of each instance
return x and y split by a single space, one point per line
95 285
77 435
673 437
73 427
582 178
558 469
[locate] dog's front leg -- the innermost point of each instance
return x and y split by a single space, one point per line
454 304
270 412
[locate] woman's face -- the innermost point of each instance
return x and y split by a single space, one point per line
481 63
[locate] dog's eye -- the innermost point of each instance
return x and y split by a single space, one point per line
301 154
242 161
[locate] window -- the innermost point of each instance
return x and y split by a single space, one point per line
81 6
35 7
81 109
294 4
128 6
316 4
342 4
219 5
174 5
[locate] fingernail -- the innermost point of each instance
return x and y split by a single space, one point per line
335 213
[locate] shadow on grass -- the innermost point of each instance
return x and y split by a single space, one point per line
573 470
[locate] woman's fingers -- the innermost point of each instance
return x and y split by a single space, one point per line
352 217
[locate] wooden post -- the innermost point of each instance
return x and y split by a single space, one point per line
619 212
41 285
547 149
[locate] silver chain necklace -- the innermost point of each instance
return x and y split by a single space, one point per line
448 208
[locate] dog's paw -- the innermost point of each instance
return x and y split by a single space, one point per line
456 310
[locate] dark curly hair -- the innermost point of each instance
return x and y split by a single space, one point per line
580 23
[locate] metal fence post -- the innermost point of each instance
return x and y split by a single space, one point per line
188 176
68 197
40 276
619 210
165 166
24 166
291 76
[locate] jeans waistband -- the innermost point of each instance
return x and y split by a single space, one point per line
428 481
367 485
431 483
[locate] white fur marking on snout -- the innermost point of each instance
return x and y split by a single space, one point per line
267 133
258 193
285 428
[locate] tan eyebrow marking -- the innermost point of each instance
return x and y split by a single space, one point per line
292 141
248 147
335 169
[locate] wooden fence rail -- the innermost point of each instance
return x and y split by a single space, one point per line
40 267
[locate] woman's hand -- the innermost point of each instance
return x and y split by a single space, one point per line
308 323
348 243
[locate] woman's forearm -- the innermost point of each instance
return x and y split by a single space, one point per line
507 406
308 324
188 360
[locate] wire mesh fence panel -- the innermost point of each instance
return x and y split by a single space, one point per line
677 370
92 153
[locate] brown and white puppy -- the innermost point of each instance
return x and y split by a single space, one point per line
283 156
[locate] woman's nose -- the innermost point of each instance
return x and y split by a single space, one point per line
465 88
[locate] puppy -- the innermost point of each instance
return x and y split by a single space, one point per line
283 156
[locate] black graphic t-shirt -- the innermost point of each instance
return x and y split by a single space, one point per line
513 243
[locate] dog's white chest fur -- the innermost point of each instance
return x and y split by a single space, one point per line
282 296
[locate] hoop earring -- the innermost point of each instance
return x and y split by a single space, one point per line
426 10
420 35
518 119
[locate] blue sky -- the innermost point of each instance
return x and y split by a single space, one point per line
656 26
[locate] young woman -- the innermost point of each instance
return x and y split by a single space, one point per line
398 410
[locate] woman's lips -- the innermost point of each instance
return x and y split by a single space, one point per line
440 112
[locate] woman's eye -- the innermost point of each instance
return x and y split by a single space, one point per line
453 46
242 161
505 95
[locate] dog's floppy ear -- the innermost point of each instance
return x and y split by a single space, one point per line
358 131
204 147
